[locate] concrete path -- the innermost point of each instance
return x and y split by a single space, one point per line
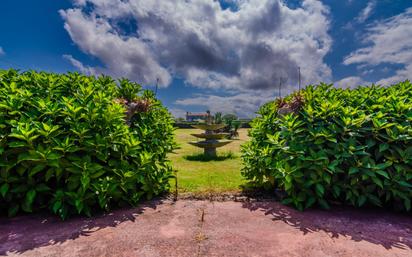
202 228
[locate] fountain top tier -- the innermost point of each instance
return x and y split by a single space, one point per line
209 127
211 137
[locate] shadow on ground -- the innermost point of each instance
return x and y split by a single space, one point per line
376 226
205 158
42 229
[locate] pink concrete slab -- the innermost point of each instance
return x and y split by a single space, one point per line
203 228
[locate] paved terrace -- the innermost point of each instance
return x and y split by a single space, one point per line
203 228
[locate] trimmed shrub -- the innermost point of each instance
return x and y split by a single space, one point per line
77 144
326 144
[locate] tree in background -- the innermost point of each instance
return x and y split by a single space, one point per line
229 117
218 118
233 124
180 119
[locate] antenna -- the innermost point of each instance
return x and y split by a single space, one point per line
299 77
157 85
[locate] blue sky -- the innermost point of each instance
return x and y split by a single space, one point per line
224 56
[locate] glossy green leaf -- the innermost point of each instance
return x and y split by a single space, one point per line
4 189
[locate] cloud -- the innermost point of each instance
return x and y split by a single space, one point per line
245 49
177 113
244 105
80 66
362 16
351 82
388 42
128 57
2 51
400 75
366 12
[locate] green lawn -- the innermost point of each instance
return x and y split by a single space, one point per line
200 177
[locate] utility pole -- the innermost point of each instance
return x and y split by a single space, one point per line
281 80
157 85
280 87
299 77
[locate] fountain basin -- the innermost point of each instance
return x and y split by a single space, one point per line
210 144
211 136
209 126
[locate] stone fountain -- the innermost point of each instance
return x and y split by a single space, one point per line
212 138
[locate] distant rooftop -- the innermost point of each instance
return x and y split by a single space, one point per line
193 116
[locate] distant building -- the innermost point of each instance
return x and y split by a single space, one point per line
195 116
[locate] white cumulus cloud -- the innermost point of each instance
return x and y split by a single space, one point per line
366 12
177 112
209 47
243 105
122 56
387 42
351 82
80 66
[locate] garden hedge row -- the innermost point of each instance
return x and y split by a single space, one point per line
77 144
325 144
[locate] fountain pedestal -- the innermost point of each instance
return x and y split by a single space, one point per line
212 138
210 151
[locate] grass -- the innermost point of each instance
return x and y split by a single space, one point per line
198 174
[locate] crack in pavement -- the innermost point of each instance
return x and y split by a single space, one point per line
200 236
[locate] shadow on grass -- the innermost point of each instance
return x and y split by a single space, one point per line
206 158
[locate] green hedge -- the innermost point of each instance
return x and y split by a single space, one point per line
327 144
77 144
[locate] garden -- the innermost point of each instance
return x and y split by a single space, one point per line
199 176
105 151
